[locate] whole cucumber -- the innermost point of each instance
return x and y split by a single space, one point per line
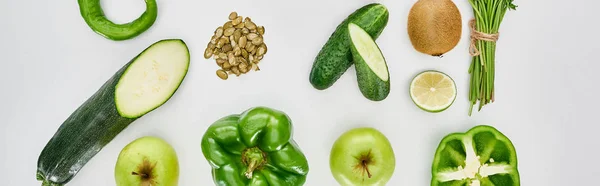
335 56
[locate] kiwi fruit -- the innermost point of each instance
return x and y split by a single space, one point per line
434 26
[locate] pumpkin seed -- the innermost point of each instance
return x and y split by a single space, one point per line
259 57
257 41
237 34
222 74
261 30
215 51
251 36
237 20
248 44
244 53
233 43
227 25
261 50
250 25
208 53
233 61
247 19
235 70
221 42
237 51
222 56
229 32
264 46
233 15
242 41
219 32
214 39
239 26
210 45
230 55
227 48
245 31
251 48
243 67
220 62
254 67
226 65
241 60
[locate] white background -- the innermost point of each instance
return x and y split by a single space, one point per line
547 91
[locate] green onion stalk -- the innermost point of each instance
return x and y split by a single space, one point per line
484 34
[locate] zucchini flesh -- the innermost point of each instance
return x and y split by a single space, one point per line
97 121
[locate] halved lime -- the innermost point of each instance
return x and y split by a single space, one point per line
433 91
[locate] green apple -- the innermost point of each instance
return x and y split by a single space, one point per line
147 161
362 156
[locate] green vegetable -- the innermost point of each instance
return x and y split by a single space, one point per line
335 56
140 86
481 156
488 15
92 13
254 148
371 69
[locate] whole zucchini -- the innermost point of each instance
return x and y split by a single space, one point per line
140 86
335 56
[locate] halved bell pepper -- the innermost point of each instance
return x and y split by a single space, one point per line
482 156
254 148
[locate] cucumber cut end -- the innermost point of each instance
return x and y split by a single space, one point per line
369 51
152 78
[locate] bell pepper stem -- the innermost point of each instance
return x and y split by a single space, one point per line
254 158
251 168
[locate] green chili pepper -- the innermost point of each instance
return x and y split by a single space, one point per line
92 13
481 156
254 148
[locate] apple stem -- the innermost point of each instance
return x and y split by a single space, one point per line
364 163
143 175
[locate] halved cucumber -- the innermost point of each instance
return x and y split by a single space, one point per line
335 56
371 68
140 86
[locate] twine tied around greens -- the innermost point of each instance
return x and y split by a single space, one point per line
476 35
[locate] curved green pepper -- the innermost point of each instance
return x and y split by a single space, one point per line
254 148
92 13
481 156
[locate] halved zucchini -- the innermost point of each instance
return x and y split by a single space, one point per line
140 86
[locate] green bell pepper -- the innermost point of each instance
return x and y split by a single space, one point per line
482 156
254 148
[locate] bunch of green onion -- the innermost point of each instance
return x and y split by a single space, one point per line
484 34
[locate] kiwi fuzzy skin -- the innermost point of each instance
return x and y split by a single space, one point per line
434 26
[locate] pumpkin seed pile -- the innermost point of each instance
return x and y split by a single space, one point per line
237 46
